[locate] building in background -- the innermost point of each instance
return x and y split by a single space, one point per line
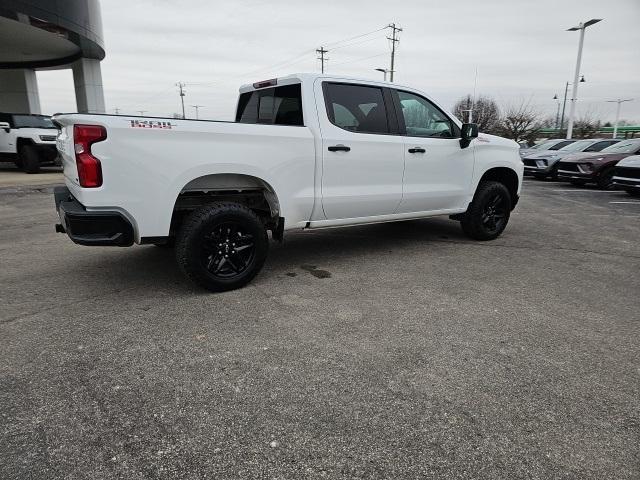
50 34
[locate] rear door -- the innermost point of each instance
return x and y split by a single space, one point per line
362 155
438 172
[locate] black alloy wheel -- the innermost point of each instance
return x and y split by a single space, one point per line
228 250
494 214
489 212
222 246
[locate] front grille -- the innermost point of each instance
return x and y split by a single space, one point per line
568 167
627 172
529 162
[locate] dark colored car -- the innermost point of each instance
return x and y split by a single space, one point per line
545 164
598 168
627 175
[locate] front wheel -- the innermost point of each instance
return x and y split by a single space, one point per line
29 159
488 214
605 180
222 246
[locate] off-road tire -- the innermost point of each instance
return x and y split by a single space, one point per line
207 235
29 159
474 222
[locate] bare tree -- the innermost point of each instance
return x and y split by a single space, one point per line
521 123
586 126
485 112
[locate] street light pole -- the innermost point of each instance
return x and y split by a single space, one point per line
618 101
582 27
555 97
384 71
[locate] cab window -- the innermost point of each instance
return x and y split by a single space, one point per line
423 119
357 108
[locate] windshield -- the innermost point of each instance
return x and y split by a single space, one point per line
32 121
576 146
622 147
544 145
561 144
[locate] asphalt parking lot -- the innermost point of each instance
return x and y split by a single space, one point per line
387 351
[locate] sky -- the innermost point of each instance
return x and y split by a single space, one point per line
520 50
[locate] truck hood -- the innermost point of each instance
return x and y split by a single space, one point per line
496 140
632 161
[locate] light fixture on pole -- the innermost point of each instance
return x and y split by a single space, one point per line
564 102
618 101
384 71
555 97
582 27
197 108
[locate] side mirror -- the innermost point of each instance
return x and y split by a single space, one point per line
5 126
469 132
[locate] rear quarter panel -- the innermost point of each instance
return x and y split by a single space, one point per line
145 169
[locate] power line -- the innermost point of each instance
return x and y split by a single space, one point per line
394 39
358 43
333 44
321 51
354 60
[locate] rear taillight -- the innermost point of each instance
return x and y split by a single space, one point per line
89 168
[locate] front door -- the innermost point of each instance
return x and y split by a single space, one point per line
438 172
362 161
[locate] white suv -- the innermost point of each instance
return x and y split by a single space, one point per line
28 140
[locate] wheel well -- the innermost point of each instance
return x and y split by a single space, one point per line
507 177
247 190
23 141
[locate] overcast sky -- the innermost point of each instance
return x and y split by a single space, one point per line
520 49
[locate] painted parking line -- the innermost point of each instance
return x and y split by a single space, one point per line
585 191
629 203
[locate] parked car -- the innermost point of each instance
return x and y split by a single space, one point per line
582 168
545 164
306 151
626 175
27 140
555 144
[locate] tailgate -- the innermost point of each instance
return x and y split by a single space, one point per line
67 154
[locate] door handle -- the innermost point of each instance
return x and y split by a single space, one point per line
417 150
339 148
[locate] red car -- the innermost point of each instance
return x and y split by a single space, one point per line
596 167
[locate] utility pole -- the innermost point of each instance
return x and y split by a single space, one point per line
197 107
117 110
618 101
141 112
321 51
394 39
182 92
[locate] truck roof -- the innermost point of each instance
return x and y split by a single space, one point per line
311 77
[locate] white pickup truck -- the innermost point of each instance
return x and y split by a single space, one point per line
306 151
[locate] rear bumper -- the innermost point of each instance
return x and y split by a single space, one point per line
93 228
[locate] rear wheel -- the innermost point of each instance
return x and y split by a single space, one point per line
222 246
489 212
634 192
29 159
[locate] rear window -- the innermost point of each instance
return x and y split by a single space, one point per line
272 106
